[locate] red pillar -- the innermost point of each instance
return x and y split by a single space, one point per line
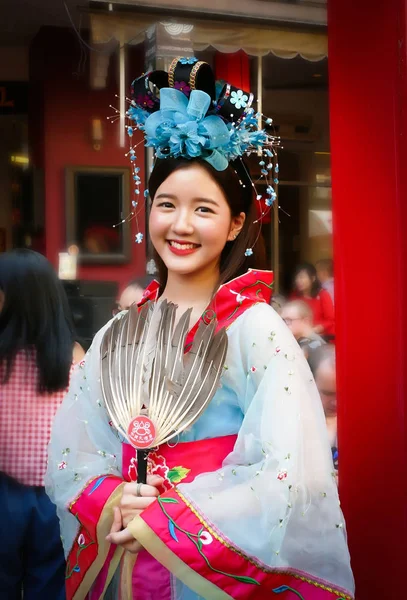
368 103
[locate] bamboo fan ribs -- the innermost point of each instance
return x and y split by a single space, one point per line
152 389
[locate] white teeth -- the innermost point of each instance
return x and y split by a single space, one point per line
182 246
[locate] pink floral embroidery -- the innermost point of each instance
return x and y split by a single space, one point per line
206 538
282 475
253 369
62 465
81 540
157 465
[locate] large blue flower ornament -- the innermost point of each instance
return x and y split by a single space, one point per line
180 128
183 127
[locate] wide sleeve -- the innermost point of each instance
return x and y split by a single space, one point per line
327 319
269 521
84 478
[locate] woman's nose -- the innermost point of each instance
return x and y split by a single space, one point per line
182 223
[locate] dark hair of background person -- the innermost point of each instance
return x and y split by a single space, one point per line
319 355
35 316
312 273
233 261
327 264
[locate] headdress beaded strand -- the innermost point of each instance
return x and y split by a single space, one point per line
181 115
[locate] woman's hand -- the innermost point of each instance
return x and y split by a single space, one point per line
122 537
131 504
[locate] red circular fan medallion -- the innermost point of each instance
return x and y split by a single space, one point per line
141 432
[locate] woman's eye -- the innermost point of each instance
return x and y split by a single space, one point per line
204 209
165 205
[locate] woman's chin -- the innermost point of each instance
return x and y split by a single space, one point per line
180 265
186 266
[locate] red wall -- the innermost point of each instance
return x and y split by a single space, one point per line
61 137
234 68
368 100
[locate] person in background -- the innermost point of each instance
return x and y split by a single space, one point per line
37 350
325 274
323 366
277 302
133 292
297 315
308 289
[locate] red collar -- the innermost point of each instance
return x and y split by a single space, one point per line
230 301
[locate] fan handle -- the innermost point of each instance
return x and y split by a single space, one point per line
142 456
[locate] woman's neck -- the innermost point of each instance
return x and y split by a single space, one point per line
194 290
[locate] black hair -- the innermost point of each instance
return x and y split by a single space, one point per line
35 317
312 273
237 187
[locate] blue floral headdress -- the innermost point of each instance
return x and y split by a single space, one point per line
181 115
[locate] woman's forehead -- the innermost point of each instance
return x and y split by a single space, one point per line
189 184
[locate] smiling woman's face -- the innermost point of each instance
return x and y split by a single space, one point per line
191 221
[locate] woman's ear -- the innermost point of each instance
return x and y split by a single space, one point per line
236 226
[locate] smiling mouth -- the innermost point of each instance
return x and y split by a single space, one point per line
183 245
182 248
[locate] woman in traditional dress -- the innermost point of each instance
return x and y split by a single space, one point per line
244 504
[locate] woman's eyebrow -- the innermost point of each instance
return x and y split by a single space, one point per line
207 200
170 196
196 200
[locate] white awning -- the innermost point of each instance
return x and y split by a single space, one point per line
254 39
306 12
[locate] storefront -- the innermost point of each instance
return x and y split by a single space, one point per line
284 66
